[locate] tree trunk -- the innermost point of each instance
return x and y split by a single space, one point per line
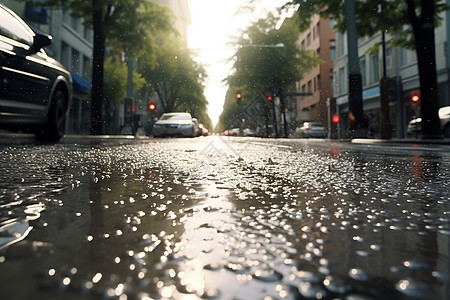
97 71
426 58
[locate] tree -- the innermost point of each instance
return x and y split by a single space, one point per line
267 59
176 77
131 22
417 32
115 88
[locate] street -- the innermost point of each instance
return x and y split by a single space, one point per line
224 218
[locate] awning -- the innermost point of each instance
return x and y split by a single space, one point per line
80 84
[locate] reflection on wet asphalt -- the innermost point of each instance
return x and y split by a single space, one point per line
220 218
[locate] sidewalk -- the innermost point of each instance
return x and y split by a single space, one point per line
418 141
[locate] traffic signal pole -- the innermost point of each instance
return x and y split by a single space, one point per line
358 126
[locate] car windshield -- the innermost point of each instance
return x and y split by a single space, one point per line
175 117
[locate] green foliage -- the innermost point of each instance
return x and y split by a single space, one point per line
267 58
373 16
115 88
131 23
176 77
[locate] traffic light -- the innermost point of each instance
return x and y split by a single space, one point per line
415 99
415 96
336 118
269 97
238 96
152 106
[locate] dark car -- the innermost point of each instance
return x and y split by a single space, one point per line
35 89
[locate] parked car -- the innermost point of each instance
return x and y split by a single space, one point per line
249 132
415 125
175 124
197 131
311 130
35 89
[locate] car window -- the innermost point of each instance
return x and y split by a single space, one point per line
175 117
14 29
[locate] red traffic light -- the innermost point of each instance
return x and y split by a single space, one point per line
415 97
152 106
238 95
269 97
336 118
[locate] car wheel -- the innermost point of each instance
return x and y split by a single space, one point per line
447 130
54 130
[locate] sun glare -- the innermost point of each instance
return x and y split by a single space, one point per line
213 25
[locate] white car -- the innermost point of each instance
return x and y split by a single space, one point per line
415 125
175 124
311 130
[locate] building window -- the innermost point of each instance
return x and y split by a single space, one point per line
332 53
310 86
403 57
332 83
362 66
65 55
308 40
374 69
74 23
340 45
76 65
389 70
341 80
86 67
332 49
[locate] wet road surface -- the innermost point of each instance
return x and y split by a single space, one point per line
224 218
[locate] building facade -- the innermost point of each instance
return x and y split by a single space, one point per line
320 39
401 66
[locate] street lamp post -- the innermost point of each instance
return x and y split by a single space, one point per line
355 100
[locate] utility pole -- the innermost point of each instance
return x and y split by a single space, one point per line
358 122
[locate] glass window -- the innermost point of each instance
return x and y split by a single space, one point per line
340 45
76 65
362 66
65 54
403 57
341 80
389 70
14 28
332 53
374 69
331 24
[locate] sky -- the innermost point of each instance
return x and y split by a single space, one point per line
213 23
